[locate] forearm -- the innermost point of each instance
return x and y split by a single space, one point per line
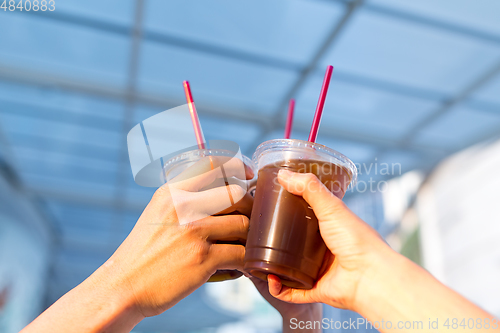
401 291
308 320
99 304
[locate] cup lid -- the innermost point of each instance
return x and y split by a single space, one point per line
306 150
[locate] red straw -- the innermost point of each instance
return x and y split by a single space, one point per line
321 102
289 119
194 116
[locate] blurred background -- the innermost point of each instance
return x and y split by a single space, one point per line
414 101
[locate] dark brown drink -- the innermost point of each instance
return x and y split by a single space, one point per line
284 237
195 163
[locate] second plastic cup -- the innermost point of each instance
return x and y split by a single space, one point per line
284 237
194 163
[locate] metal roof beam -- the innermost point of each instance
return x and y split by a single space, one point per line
433 23
445 107
310 68
330 132
216 111
449 104
169 39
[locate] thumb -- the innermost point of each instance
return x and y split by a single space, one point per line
323 202
334 217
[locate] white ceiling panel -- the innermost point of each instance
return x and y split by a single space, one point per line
362 110
43 45
490 92
116 11
481 15
459 127
291 30
402 52
214 80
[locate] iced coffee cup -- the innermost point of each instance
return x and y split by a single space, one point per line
284 237
199 170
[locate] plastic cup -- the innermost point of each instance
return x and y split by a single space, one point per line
188 165
284 237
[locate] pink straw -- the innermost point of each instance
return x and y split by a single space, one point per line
321 102
194 116
289 119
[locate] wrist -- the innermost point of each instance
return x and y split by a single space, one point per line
312 311
385 277
302 317
97 304
114 297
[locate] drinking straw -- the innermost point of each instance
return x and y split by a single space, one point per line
321 102
289 119
200 139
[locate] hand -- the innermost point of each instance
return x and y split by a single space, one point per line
301 312
354 247
213 172
162 260
361 272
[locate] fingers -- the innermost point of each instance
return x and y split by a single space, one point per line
195 206
205 171
288 294
227 256
275 285
337 223
218 199
225 228
307 185
243 206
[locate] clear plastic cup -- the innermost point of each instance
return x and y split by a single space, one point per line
187 172
284 237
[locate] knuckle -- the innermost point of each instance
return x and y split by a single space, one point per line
310 177
245 222
162 193
200 252
193 229
237 192
240 263
199 248
182 204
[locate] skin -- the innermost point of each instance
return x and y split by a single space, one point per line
163 260
302 312
362 273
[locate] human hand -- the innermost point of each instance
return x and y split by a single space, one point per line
163 260
208 173
354 247
288 311
228 174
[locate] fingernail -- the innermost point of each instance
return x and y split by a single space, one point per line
284 173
